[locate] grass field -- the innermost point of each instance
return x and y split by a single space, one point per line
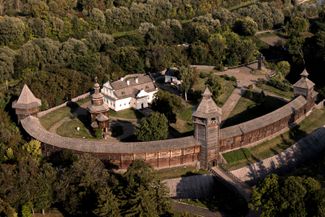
126 113
53 117
248 109
268 88
69 129
48 120
184 120
241 157
171 173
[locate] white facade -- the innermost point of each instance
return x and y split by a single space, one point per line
141 100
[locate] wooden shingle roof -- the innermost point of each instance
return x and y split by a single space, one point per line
304 82
26 100
207 107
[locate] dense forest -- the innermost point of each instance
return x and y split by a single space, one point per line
57 47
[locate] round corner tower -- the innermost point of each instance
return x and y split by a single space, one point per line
207 119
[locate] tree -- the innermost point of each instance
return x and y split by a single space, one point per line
12 31
287 196
187 75
33 148
77 185
107 203
213 83
7 59
245 26
154 127
143 193
218 48
167 104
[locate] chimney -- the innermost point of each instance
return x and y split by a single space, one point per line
128 82
136 80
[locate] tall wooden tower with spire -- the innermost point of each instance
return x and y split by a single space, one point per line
207 119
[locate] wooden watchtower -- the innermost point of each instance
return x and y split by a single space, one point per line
207 119
27 104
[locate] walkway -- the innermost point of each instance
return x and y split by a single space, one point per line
305 148
246 75
195 210
231 180
231 103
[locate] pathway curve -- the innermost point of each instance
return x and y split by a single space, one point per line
56 125
305 148
231 103
195 210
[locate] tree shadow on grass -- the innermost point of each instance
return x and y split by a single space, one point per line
264 105
82 114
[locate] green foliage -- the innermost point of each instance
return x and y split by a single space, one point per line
12 31
187 75
245 26
167 104
107 203
213 83
145 195
7 210
26 210
154 127
33 148
290 196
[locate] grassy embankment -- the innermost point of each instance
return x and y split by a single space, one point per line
244 156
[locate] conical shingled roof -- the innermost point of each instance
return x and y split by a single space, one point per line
26 99
207 107
304 82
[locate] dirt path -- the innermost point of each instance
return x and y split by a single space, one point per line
195 210
231 103
55 126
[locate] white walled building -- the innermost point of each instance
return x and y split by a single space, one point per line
131 91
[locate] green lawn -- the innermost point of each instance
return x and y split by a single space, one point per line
248 109
126 113
69 129
184 122
48 120
244 156
179 172
268 88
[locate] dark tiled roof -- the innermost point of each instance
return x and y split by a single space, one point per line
26 99
34 128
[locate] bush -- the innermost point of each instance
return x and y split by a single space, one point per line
282 85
